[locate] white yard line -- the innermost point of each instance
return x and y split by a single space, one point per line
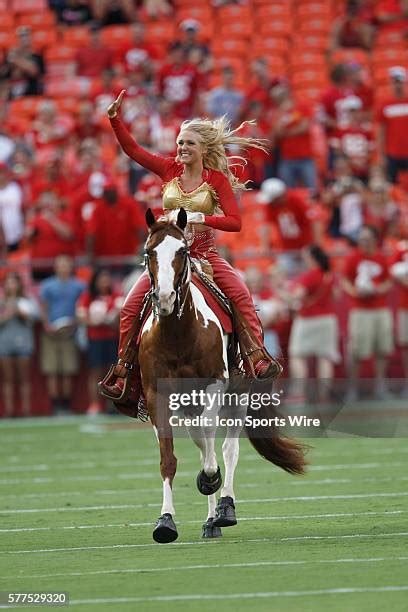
263 468
249 485
201 543
239 501
176 568
196 522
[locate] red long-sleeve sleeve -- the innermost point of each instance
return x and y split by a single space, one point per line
227 201
164 167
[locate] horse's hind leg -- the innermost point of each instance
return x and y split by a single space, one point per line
165 530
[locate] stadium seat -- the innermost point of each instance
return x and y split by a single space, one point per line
203 14
232 13
77 36
309 79
308 59
29 6
60 61
309 42
163 32
274 27
269 46
115 36
7 39
40 21
316 25
25 107
306 10
273 11
230 46
236 29
73 87
43 39
353 54
7 22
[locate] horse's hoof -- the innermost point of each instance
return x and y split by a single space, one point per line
210 530
225 513
207 485
165 530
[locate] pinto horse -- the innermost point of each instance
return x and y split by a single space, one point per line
182 338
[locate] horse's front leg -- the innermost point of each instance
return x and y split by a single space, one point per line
225 511
165 530
199 439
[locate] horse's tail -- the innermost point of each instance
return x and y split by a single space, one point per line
284 452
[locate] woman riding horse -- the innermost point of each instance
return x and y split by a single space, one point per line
199 180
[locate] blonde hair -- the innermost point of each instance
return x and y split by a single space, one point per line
215 135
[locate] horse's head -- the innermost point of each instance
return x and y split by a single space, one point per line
166 257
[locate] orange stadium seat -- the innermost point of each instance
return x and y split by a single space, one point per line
269 46
43 39
230 46
7 22
308 59
313 9
73 87
60 60
232 60
273 11
161 32
240 12
77 36
40 21
203 14
29 6
309 79
236 29
25 107
389 57
274 27
309 42
318 25
352 54
7 39
116 35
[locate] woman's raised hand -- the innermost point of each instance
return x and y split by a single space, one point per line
114 107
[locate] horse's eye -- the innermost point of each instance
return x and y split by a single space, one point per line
183 251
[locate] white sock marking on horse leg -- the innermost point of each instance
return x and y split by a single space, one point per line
210 412
230 451
167 498
212 502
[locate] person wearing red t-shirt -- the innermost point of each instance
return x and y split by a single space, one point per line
393 125
136 52
315 330
98 309
178 82
164 127
332 113
355 139
399 272
50 232
115 227
391 16
50 176
293 219
292 132
96 57
370 329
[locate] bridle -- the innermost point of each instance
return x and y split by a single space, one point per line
181 281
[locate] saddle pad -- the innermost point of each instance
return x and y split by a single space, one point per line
223 317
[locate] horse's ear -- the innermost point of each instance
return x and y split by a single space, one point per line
182 219
150 218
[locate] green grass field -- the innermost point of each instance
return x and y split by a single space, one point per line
79 500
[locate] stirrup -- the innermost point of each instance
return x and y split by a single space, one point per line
109 380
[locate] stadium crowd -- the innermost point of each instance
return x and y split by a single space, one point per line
325 221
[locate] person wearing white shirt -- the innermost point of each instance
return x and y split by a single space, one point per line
11 211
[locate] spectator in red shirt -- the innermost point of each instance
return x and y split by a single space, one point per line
137 52
50 233
399 271
259 88
292 218
355 139
315 330
352 29
94 58
393 125
292 132
164 128
391 15
178 81
98 309
370 330
86 124
50 176
50 129
379 210
116 225
331 102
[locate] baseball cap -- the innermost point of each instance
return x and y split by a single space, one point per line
271 189
398 73
190 24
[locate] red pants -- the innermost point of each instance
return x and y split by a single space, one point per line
227 279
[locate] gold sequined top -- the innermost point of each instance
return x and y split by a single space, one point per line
203 199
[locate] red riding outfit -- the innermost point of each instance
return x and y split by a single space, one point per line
203 245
